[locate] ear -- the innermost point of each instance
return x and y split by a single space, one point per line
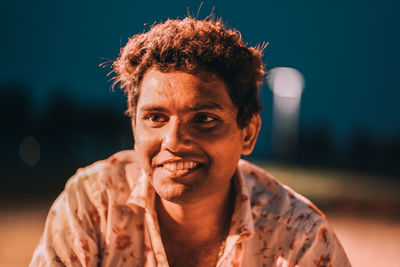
250 133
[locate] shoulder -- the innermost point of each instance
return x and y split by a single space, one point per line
273 201
106 175
295 230
79 218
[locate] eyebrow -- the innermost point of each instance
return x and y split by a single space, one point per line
152 108
195 107
208 105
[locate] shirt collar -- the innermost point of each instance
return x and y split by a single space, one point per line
241 226
142 192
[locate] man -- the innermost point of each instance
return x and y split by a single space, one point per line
183 197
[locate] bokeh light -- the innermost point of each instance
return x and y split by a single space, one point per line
287 85
29 151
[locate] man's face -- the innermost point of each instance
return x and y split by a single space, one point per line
186 134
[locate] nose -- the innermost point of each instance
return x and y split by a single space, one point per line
176 137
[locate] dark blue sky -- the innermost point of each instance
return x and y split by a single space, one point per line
348 51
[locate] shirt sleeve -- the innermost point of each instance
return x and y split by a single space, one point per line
322 248
70 236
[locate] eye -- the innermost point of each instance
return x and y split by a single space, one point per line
156 120
204 118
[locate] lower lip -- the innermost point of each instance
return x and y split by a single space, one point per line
179 173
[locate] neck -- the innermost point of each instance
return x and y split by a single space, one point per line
199 221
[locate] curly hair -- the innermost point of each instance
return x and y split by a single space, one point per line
193 46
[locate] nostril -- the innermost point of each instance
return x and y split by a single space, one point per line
176 138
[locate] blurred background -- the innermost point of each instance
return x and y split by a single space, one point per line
331 119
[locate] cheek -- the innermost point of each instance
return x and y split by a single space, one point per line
226 150
228 155
146 146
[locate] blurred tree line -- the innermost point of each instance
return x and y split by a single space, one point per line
72 134
363 152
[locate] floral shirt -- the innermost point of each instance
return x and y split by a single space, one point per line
106 217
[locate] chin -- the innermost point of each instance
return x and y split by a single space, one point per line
176 193
170 192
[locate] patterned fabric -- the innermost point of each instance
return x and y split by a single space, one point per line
106 217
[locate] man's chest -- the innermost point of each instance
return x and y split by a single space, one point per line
200 255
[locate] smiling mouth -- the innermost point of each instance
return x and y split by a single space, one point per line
180 168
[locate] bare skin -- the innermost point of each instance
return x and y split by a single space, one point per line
190 241
187 134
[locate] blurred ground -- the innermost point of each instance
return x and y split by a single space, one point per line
364 211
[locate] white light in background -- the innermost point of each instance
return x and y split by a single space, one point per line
29 151
287 85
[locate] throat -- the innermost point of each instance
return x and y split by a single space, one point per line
195 234
206 253
198 221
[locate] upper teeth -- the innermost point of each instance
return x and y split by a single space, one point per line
176 166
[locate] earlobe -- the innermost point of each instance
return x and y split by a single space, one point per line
250 133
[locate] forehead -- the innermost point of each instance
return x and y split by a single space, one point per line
182 88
